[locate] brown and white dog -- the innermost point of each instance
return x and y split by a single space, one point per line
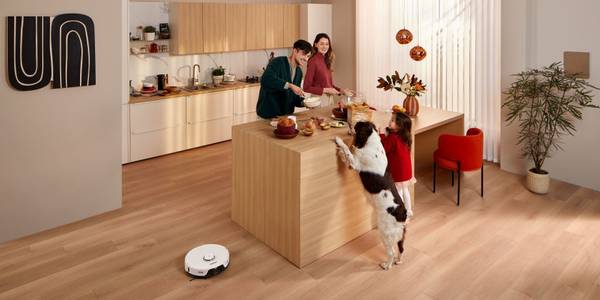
370 161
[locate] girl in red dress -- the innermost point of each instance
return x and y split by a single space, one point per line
397 141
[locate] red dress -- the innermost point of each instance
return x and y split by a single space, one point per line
398 156
318 76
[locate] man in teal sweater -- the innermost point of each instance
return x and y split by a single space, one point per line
280 88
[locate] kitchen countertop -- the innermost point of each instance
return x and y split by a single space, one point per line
184 93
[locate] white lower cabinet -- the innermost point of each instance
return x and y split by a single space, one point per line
209 118
125 135
245 100
244 108
170 125
157 128
209 132
245 118
157 143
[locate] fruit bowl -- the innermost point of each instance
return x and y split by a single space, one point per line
312 101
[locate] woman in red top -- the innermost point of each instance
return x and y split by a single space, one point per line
396 142
319 79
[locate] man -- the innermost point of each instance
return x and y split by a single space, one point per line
280 88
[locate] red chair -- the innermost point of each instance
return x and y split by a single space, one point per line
459 153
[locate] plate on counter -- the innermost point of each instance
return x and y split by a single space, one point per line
337 124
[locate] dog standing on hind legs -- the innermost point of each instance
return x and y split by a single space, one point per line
370 161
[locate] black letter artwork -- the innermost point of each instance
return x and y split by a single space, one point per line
62 51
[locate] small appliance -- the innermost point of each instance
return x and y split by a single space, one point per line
206 261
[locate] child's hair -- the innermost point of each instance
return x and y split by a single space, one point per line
405 124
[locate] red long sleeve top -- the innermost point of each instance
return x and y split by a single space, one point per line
398 156
318 76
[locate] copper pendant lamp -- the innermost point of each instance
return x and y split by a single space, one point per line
418 53
404 36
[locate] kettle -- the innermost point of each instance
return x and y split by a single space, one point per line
162 81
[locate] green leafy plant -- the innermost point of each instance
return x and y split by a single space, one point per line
219 71
149 29
546 103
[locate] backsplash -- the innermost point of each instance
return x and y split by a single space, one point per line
143 68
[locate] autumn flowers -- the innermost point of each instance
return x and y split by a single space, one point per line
410 85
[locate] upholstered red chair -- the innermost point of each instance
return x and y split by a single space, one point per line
459 153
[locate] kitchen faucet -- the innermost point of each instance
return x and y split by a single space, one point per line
193 83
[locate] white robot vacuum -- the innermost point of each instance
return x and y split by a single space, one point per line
207 260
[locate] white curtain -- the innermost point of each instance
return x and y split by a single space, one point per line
462 67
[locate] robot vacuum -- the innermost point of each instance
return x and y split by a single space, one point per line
207 260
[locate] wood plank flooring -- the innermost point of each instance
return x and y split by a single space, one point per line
510 245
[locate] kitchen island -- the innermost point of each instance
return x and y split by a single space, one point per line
297 197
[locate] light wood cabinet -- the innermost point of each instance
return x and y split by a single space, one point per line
157 128
236 27
274 26
185 23
256 37
217 27
291 24
213 27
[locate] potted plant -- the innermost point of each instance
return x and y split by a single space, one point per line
546 103
409 85
149 33
217 75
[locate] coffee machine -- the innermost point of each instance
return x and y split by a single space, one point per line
162 81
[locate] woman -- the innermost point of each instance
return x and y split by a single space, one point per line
318 78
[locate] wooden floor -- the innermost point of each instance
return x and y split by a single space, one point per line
510 245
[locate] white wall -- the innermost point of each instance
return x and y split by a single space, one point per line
60 148
536 33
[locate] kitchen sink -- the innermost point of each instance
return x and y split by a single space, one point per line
195 88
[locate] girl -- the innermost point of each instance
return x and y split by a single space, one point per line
319 78
396 142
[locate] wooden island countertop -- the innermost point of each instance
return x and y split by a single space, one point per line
296 196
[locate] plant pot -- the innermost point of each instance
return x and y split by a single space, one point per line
538 183
217 79
149 36
411 104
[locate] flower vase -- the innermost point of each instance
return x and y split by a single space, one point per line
411 105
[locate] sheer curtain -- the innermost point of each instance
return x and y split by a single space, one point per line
462 67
